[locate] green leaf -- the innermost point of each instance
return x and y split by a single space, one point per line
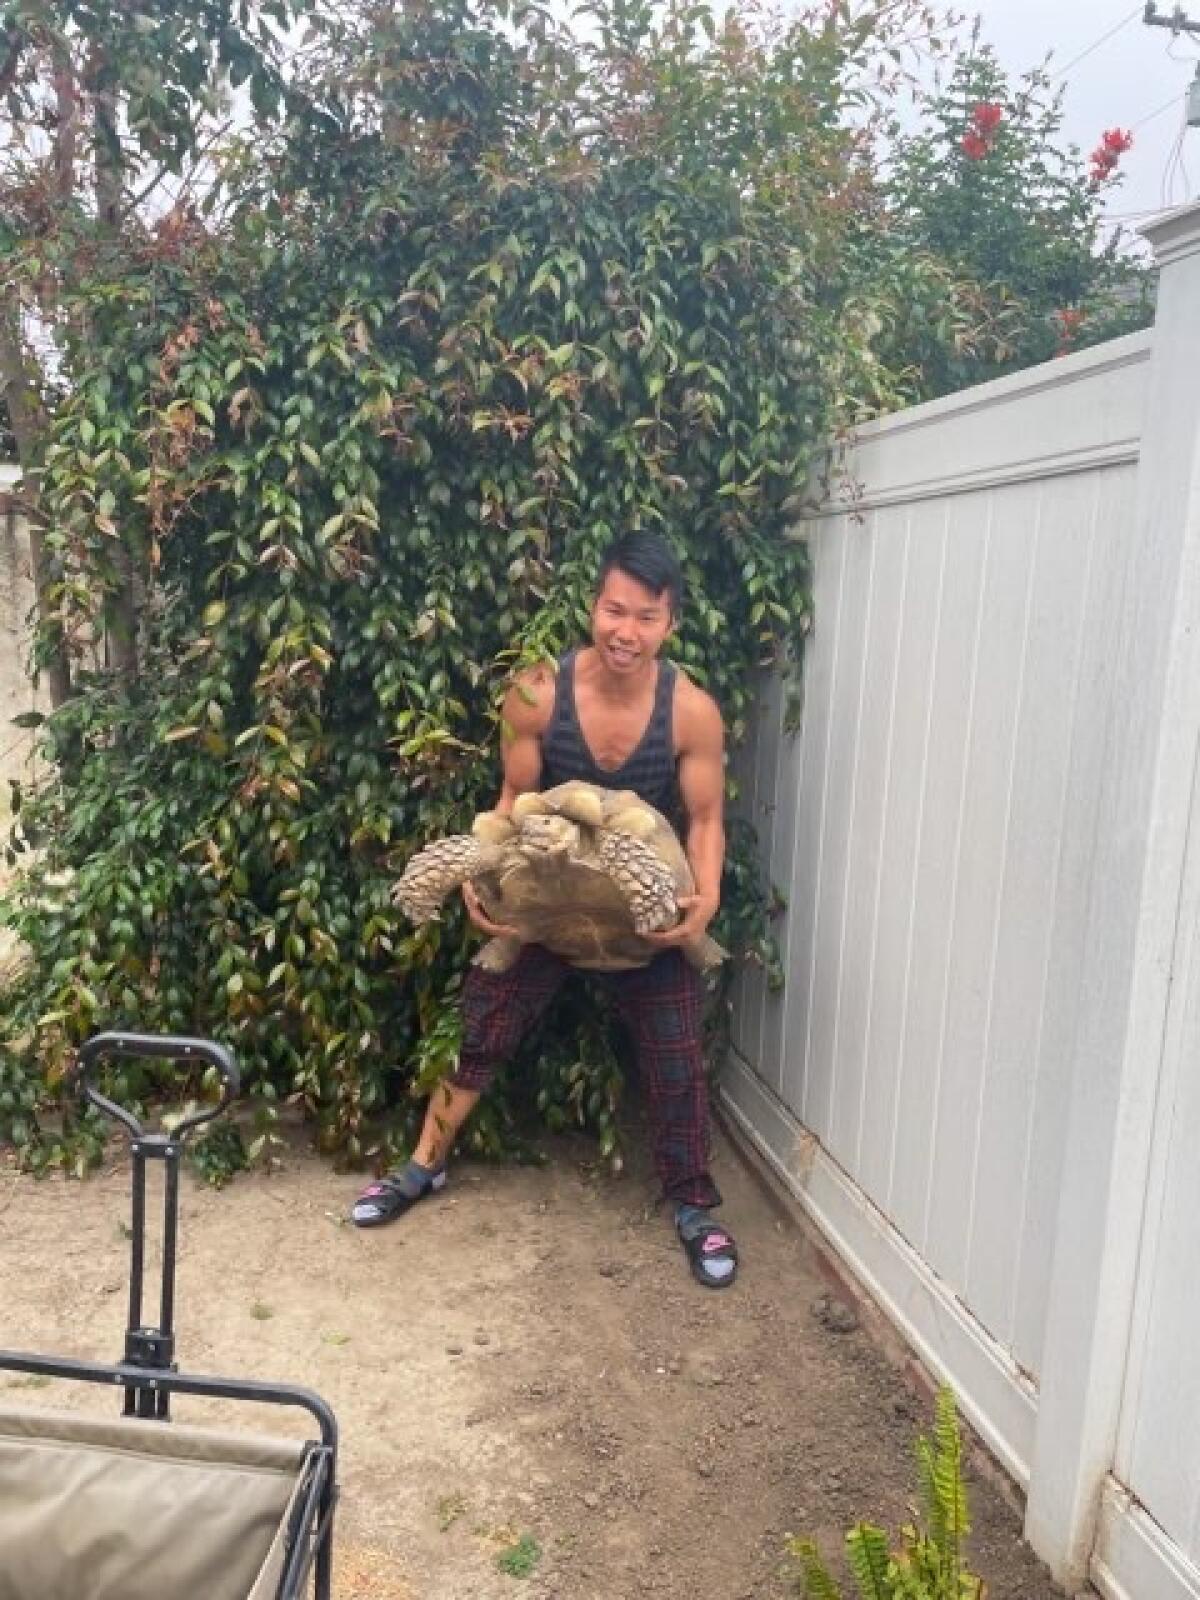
818 1585
870 1561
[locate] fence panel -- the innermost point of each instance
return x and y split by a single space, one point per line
980 1078
931 829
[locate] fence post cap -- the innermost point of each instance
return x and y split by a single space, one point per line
1174 234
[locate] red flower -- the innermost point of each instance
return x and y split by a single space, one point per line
987 116
1068 323
1106 156
974 146
1104 164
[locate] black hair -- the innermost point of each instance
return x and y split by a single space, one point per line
650 559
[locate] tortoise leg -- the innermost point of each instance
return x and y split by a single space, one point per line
638 820
499 954
493 827
581 803
647 883
434 872
532 803
704 953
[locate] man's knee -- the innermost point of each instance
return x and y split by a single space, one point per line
475 1073
664 1001
497 1010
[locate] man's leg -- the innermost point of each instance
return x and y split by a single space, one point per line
663 1005
498 1009
449 1107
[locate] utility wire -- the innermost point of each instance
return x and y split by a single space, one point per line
1175 167
1095 45
1175 100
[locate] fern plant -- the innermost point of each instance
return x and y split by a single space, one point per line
930 1561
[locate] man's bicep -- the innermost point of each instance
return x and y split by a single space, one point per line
520 745
702 765
521 758
702 785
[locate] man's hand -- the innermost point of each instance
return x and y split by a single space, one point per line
495 930
698 911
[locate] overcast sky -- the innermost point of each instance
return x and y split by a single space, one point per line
1123 81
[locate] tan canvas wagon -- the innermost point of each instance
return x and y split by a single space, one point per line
139 1508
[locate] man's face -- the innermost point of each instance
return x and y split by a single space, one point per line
630 623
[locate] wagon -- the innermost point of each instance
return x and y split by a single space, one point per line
139 1507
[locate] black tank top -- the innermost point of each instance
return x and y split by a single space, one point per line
649 770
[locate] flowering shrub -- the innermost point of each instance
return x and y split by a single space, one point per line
493 293
979 138
986 187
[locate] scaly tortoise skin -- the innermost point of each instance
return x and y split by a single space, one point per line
581 870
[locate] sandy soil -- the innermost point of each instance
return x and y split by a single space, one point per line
523 1358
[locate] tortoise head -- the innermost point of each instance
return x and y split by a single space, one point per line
545 834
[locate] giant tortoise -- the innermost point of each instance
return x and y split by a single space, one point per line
581 870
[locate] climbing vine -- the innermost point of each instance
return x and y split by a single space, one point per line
491 291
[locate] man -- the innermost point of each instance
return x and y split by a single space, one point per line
615 715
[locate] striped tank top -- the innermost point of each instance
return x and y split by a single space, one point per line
650 768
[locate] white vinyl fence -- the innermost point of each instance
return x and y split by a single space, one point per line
982 1077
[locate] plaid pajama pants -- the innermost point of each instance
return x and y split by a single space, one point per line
662 1005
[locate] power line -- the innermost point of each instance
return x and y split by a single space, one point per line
1175 167
1095 45
1175 100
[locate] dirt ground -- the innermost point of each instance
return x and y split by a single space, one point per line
525 1375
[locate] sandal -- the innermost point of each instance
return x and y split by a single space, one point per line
711 1252
395 1193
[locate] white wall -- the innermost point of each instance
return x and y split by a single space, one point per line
16 601
990 655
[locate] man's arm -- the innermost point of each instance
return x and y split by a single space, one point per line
702 790
523 718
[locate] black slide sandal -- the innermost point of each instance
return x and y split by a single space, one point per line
706 1242
391 1196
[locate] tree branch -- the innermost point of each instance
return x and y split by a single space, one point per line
187 181
12 60
122 611
66 101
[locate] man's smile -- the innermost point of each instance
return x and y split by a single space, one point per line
622 655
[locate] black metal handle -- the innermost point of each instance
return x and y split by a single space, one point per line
164 1047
